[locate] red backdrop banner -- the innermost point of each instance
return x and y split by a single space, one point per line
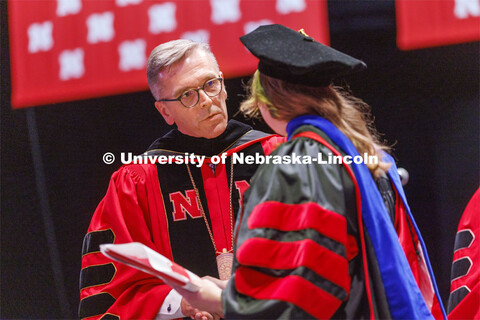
428 23
63 50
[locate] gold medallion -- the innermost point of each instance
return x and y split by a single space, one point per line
224 264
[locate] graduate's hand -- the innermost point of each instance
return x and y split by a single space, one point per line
220 283
207 298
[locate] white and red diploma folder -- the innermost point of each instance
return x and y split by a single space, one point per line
141 257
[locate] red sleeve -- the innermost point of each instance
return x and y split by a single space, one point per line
124 215
299 286
463 302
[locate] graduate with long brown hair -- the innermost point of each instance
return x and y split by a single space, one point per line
326 231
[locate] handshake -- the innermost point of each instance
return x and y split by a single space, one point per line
198 293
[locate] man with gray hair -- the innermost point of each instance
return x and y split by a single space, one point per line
183 206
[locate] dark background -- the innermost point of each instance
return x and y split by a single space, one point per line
426 102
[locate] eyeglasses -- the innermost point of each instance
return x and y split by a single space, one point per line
189 99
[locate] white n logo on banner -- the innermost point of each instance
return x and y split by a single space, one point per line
465 8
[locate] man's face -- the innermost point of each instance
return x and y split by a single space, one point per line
208 118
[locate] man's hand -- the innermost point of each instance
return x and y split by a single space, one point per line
205 316
194 313
208 298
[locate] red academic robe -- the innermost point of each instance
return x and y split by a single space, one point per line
464 300
156 204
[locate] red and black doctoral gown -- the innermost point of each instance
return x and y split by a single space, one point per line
298 252
155 204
